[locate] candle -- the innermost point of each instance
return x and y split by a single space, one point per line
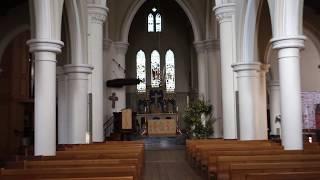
177 108
187 101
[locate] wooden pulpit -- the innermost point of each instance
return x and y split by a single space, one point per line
125 123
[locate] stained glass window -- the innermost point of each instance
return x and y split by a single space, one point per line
150 23
158 22
141 71
155 69
170 71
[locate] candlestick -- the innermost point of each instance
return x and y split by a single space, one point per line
187 101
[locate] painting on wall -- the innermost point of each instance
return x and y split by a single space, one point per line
311 107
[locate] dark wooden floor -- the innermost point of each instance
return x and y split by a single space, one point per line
165 160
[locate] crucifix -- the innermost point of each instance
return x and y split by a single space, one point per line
113 98
156 96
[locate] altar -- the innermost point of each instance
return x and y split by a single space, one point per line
159 124
157 112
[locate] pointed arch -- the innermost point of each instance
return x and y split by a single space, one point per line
194 20
150 23
158 23
141 71
170 71
155 69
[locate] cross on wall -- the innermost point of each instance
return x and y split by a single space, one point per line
113 98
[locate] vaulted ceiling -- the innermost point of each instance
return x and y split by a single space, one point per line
7 5
313 4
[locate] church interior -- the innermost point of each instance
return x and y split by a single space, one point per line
160 89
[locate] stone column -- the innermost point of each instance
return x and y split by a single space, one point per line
202 70
214 81
288 39
262 121
119 66
77 101
248 83
96 16
225 15
63 125
46 18
274 101
45 94
290 90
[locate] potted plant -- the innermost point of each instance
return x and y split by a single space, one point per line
199 119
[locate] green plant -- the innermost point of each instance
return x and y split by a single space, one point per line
198 119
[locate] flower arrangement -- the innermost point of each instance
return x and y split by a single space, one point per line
199 119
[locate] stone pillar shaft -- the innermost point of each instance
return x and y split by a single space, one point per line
63 125
97 16
248 83
274 94
45 95
290 90
78 101
119 66
225 16
202 60
214 81
262 121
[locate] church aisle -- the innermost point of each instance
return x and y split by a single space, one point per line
168 165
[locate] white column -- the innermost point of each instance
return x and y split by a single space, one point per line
119 67
96 16
63 127
225 15
45 95
77 101
274 104
289 72
262 121
248 83
214 81
202 70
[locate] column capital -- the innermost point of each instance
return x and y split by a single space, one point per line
251 69
78 68
252 66
107 43
288 42
207 45
212 44
264 68
121 47
97 13
200 46
274 83
45 45
225 12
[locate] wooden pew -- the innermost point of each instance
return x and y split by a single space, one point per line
224 162
241 171
114 156
312 175
212 159
93 178
203 153
196 150
79 172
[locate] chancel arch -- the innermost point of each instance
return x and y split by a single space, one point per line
167 55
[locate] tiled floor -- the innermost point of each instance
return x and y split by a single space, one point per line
165 160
